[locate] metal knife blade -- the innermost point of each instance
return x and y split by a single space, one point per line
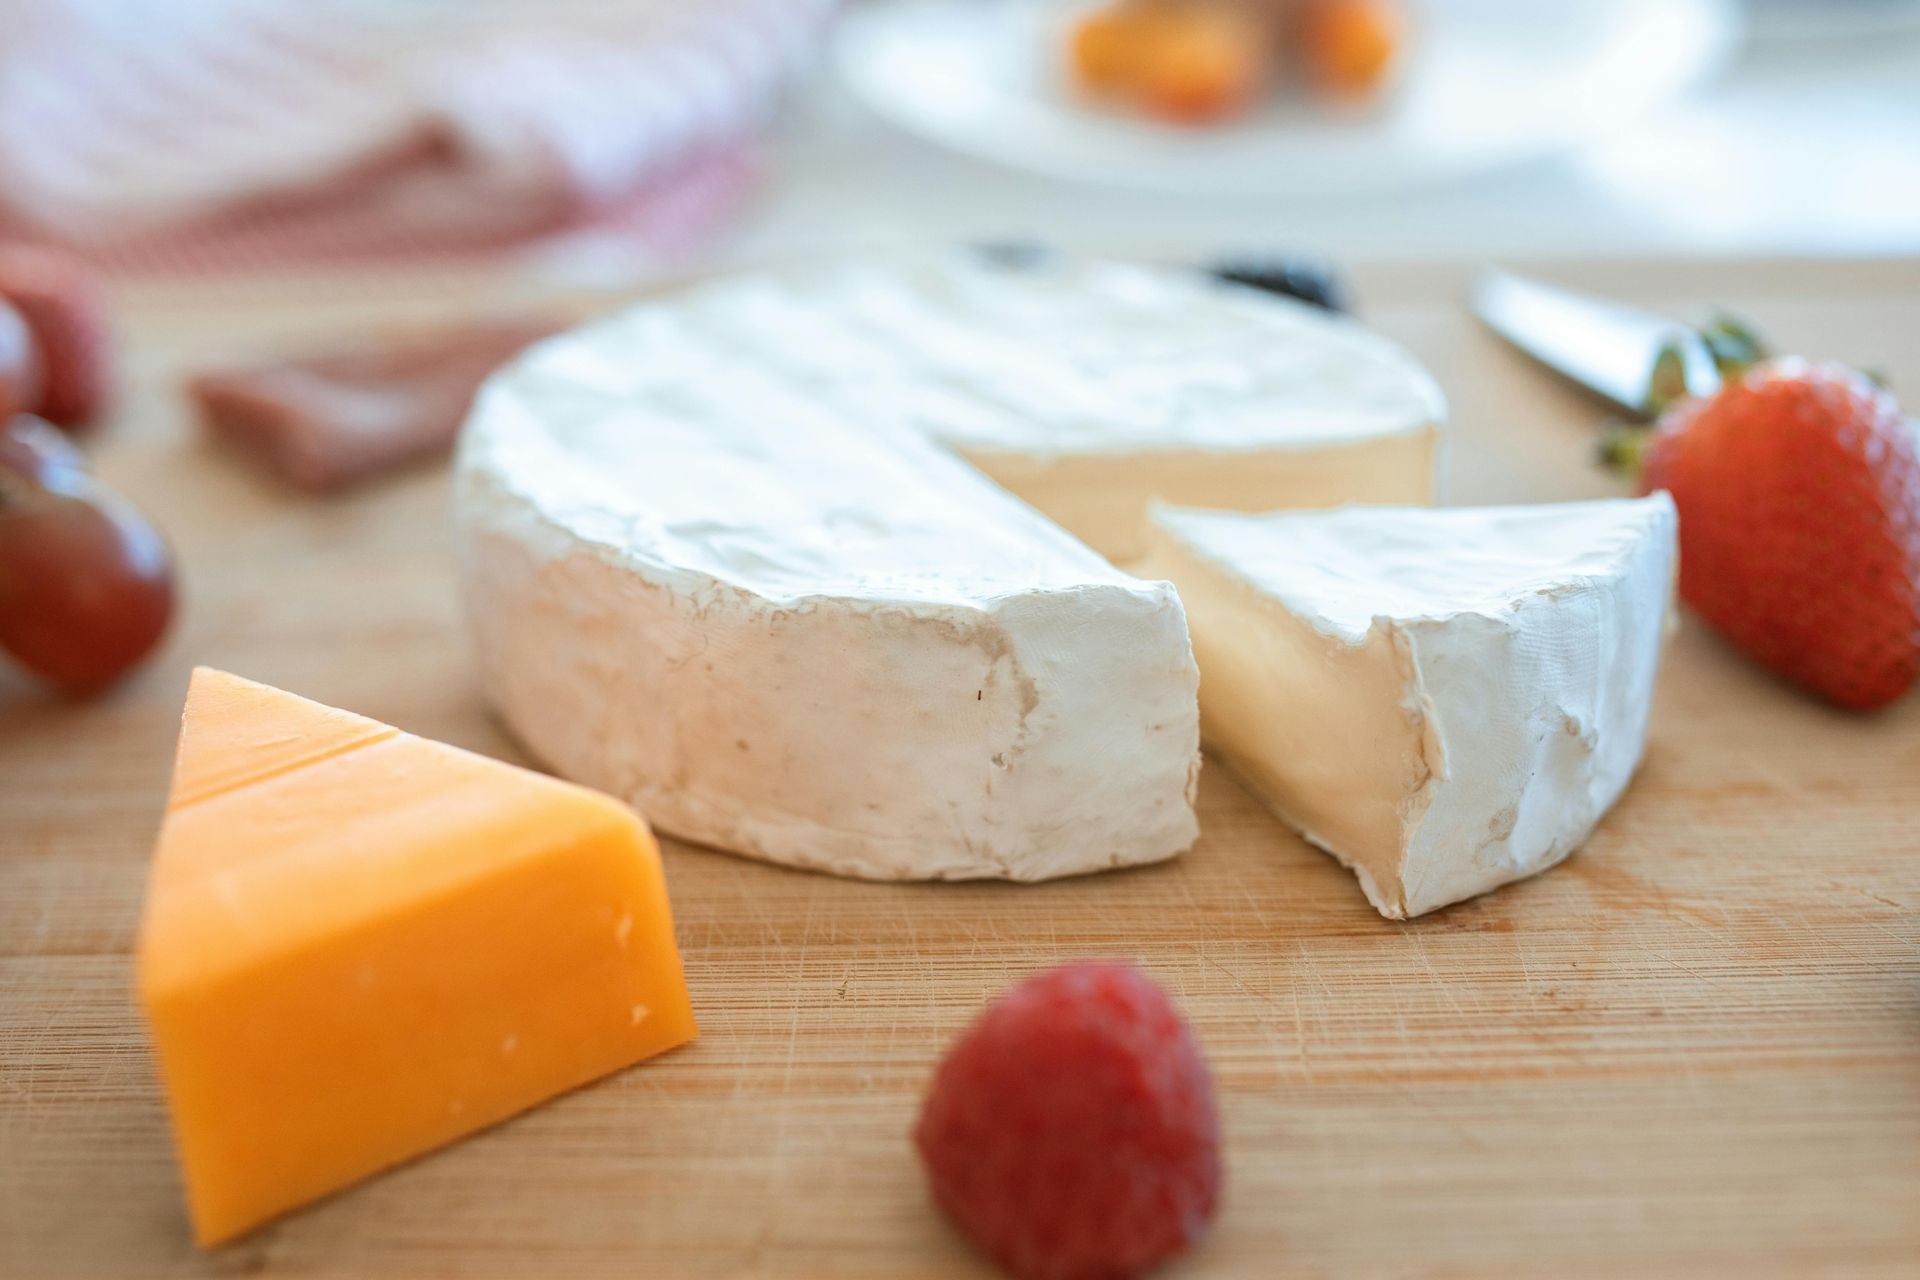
1612 350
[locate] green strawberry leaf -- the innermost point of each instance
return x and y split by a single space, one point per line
1736 346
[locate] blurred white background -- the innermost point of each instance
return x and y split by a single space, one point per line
615 140
1809 143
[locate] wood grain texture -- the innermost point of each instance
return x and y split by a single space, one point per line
1693 1049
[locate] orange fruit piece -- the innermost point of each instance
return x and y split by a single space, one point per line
1106 47
1352 46
1208 64
1188 63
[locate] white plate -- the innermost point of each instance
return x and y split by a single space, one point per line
1490 82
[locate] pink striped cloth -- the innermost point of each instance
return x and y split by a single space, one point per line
201 134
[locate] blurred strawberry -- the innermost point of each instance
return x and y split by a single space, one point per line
65 307
1799 493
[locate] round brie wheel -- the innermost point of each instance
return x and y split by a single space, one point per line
756 557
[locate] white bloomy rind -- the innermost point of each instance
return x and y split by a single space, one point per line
787 636
1087 389
1445 700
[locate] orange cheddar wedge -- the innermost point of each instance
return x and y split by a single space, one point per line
359 945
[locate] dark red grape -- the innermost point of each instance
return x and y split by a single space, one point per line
20 375
38 451
65 307
86 582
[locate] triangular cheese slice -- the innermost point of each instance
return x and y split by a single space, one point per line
1444 699
359 944
234 732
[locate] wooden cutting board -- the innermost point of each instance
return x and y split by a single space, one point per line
1695 1048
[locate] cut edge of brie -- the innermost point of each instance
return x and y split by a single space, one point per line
1441 752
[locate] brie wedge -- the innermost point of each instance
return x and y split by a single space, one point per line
696 586
1088 389
1445 700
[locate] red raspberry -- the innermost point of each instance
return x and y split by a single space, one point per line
63 303
1071 1132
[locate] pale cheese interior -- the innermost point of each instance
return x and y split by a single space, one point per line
1310 721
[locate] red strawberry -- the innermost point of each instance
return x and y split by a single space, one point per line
1071 1132
65 306
1799 494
